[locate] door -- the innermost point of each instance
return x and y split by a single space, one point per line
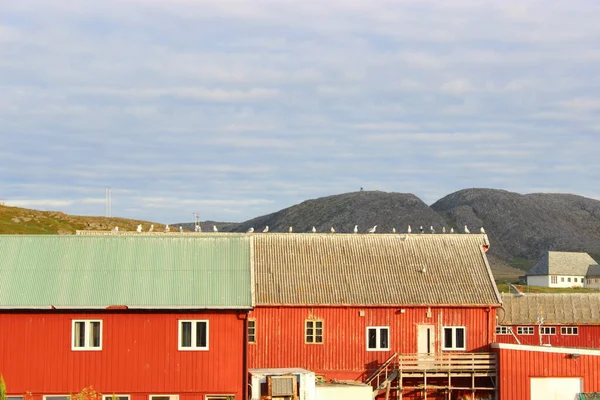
555 388
426 340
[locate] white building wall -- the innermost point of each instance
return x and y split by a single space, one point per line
538 280
562 281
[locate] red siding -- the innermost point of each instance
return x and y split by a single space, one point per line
588 337
517 366
139 354
343 355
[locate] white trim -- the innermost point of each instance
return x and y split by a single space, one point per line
378 338
549 329
504 330
193 335
86 339
170 396
454 330
546 349
574 330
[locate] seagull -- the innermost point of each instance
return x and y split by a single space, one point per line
250 230
482 230
167 228
421 229
355 228
215 229
373 229
314 230
151 228
139 228
431 229
332 230
180 228
443 229
451 230
409 230
393 230
467 230
115 229
291 230
266 229
197 228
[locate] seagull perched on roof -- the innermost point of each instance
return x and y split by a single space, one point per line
373 229
215 229
139 228
332 230
431 229
180 228
482 230
167 228
409 230
443 229
290 230
266 229
314 230
393 230
421 229
451 230
355 228
467 230
151 228
250 230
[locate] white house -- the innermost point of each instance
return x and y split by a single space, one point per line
565 269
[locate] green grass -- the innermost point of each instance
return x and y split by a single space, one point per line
15 220
503 288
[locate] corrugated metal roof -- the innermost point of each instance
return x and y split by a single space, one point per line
380 269
135 271
565 263
554 308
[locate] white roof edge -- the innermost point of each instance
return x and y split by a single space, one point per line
546 349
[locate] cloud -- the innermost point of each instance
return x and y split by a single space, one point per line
41 203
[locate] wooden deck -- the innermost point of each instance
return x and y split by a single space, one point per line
426 372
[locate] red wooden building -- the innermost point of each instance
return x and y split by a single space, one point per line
550 319
377 308
543 373
141 317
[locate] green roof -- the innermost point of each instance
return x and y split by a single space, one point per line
208 272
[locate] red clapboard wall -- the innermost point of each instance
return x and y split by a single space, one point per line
588 336
139 355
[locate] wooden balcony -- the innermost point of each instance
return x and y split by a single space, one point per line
473 372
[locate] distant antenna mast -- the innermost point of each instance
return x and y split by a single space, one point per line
108 205
197 227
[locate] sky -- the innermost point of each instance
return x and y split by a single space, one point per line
235 109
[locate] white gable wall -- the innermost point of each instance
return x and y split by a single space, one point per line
562 281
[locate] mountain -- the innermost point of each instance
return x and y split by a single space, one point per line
343 211
523 227
15 220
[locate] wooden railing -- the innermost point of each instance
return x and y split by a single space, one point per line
447 362
377 377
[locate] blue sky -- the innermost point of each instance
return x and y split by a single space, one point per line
234 109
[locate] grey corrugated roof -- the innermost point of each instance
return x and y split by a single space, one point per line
554 308
208 272
565 263
380 269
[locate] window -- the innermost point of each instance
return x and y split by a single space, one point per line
314 331
581 280
454 338
562 278
553 279
164 397
14 397
115 396
219 397
58 397
569 330
503 330
525 330
86 335
251 331
569 279
193 335
378 338
548 330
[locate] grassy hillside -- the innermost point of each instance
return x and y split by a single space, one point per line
14 220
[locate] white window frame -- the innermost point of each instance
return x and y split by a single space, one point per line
219 396
378 329
454 330
86 338
525 330
170 396
314 336
550 329
503 330
251 335
49 396
119 396
569 330
193 347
